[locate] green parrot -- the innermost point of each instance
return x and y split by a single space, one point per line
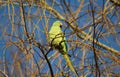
58 41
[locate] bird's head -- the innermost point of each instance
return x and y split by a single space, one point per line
57 24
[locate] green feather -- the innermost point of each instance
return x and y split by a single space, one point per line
58 40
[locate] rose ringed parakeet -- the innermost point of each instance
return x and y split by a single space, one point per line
58 41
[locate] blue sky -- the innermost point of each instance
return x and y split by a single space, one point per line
38 28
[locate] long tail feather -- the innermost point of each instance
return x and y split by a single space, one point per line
70 64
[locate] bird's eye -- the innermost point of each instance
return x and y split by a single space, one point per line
60 25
